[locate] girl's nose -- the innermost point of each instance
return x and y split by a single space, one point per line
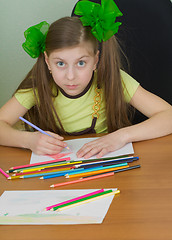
70 73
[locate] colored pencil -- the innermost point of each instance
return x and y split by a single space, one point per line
93 177
81 171
104 158
40 163
47 166
34 174
83 179
49 174
51 170
100 168
13 177
88 201
87 170
78 165
74 199
39 167
94 172
6 175
81 200
127 159
115 171
53 175
37 128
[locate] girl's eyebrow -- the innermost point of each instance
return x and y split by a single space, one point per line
85 56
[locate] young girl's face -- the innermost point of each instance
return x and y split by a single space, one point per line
72 68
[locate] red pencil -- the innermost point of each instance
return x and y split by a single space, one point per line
82 179
41 163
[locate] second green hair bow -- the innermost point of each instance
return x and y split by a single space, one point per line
101 18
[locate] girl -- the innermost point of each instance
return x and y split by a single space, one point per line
73 89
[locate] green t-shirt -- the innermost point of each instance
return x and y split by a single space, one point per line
76 113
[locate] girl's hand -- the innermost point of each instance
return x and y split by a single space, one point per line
103 145
42 144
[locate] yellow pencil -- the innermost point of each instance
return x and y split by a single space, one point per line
14 177
42 171
44 167
87 201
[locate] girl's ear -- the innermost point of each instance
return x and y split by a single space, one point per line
96 59
47 60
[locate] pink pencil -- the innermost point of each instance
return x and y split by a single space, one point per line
6 175
83 179
74 199
41 163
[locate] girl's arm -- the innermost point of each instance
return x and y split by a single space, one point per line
159 124
36 141
159 113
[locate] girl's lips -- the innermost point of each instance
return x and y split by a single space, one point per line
71 86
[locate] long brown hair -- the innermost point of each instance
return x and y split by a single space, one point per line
109 77
67 32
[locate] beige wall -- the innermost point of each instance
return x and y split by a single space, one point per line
15 17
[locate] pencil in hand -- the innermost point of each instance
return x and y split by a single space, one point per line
37 128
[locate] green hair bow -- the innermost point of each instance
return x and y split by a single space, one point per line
101 18
35 39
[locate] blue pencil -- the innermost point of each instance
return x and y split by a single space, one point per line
81 171
37 128
58 173
96 169
112 161
34 126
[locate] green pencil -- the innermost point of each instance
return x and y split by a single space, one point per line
81 200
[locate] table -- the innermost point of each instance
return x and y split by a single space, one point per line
142 211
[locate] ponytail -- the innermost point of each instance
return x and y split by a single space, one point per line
43 113
109 79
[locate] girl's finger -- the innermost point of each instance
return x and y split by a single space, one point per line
50 149
102 153
54 135
86 148
92 152
56 142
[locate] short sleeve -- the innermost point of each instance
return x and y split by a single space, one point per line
25 97
129 84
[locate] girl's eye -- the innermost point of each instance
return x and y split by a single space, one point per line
60 64
81 63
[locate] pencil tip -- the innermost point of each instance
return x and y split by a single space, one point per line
52 185
9 178
41 178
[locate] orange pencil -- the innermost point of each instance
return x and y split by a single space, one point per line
94 172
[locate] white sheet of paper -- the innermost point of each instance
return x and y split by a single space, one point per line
76 144
27 207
